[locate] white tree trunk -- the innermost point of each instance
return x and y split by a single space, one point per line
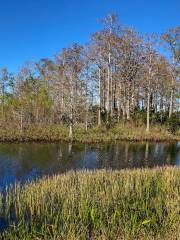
128 109
109 97
128 103
148 111
171 104
71 129
71 107
99 110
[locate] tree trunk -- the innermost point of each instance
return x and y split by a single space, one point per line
21 120
171 104
161 107
119 109
71 106
109 93
71 130
99 109
148 111
104 90
119 102
128 104
124 103
128 109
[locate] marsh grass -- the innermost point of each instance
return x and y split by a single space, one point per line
120 131
126 204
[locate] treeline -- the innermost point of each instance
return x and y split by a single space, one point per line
120 75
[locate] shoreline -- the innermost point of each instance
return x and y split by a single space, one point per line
60 133
25 139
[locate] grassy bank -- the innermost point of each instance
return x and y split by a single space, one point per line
93 135
127 204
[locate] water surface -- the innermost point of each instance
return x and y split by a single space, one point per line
26 161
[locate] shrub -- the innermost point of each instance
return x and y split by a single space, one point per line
139 117
173 124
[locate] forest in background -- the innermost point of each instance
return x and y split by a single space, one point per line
119 76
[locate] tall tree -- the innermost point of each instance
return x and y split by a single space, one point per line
172 38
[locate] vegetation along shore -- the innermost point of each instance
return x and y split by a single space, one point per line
57 132
125 204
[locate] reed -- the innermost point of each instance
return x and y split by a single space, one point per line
126 204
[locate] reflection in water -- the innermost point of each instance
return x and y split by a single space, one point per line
27 161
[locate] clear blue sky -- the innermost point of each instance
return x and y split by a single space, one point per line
33 29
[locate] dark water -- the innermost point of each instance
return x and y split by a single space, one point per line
27 161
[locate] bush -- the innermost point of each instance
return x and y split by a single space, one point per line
173 124
139 117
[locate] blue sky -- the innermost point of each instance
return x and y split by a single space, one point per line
33 29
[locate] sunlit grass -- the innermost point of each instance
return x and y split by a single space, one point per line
126 204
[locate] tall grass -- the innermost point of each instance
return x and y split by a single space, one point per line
127 204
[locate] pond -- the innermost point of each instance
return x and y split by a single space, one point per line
27 161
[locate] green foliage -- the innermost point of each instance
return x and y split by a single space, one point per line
139 117
42 98
173 124
110 123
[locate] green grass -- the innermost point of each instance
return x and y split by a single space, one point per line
126 204
93 135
